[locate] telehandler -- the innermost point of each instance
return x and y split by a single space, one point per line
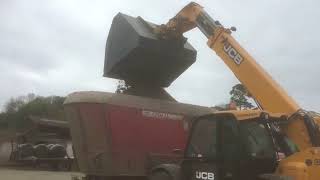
114 134
215 148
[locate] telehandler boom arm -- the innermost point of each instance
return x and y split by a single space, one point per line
260 84
271 97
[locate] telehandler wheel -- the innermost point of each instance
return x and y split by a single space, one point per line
160 175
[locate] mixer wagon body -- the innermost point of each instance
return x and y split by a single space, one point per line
119 135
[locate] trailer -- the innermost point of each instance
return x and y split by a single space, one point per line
125 136
45 145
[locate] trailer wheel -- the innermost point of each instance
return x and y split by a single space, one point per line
160 175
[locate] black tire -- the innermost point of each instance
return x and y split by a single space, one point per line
25 150
41 151
160 175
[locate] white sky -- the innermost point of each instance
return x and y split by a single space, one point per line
57 47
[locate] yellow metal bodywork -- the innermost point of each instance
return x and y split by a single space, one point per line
249 114
302 165
261 86
317 119
296 165
184 21
259 83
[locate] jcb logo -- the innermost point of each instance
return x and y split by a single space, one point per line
232 53
204 175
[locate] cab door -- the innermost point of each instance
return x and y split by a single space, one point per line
207 156
231 149
260 153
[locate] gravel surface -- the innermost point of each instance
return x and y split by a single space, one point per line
5 150
9 174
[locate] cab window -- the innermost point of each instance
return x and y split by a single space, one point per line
203 142
230 148
257 140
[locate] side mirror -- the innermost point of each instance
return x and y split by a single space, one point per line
177 151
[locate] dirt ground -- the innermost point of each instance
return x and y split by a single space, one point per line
5 150
8 174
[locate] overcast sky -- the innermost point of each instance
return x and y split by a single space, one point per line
57 47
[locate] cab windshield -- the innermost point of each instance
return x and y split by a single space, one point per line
213 138
258 142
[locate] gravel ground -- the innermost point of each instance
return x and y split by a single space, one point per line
9 174
5 150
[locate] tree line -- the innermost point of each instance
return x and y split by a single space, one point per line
17 110
240 97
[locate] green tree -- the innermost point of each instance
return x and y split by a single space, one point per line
48 107
17 110
122 87
240 95
3 120
13 105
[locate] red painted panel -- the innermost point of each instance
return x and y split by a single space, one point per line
135 135
93 121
